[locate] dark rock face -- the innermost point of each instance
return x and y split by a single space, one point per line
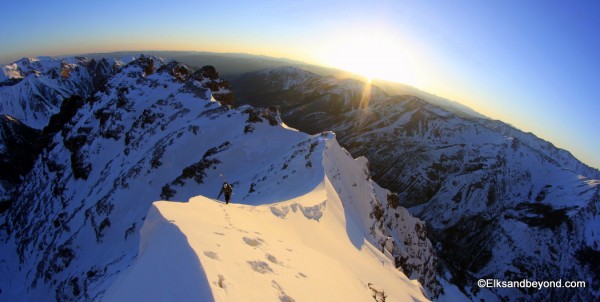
101 70
57 122
209 72
271 114
18 148
18 152
209 76
196 171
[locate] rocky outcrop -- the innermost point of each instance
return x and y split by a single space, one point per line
18 151
219 88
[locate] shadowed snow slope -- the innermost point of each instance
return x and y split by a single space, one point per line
308 248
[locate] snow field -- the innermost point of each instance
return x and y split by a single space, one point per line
308 248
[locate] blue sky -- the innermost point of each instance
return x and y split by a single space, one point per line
533 64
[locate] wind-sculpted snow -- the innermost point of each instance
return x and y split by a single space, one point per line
154 130
313 212
521 207
312 247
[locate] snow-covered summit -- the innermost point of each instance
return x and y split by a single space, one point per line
311 247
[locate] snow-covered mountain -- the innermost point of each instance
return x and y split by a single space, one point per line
499 203
394 88
309 248
32 90
81 223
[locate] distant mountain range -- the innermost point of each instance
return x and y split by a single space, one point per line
499 203
88 143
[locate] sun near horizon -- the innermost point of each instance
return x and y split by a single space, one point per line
532 66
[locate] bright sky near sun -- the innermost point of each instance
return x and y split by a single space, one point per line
533 64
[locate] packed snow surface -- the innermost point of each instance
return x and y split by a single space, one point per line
308 248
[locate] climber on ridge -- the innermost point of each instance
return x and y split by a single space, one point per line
228 190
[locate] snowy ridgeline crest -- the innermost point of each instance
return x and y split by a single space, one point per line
499 203
150 129
312 247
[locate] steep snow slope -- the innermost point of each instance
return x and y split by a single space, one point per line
154 131
527 208
31 90
309 248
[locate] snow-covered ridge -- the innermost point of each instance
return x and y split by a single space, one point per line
152 131
312 247
563 157
481 185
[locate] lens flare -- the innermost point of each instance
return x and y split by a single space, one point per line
363 107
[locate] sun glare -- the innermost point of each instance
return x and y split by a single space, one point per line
371 54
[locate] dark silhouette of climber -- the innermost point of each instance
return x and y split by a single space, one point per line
227 189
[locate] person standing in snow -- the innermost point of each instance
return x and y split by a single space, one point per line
227 189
